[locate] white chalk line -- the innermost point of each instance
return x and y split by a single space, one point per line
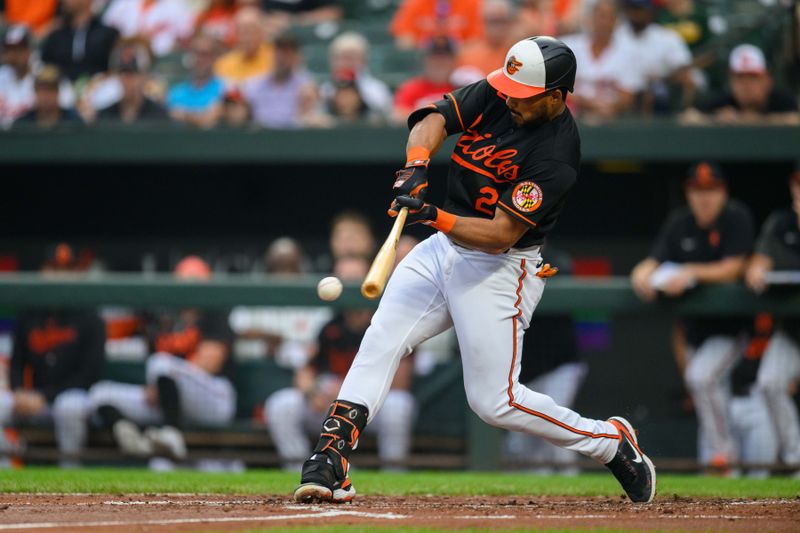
220 520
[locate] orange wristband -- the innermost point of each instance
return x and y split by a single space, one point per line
417 155
444 221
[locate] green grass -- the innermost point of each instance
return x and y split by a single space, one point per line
380 529
270 482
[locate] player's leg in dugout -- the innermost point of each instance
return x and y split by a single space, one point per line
412 310
285 412
779 369
707 377
491 299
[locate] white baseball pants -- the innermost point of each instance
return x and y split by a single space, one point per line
205 399
490 300
779 369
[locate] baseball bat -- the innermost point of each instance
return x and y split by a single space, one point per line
381 267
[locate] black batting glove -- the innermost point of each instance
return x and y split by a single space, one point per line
412 180
418 210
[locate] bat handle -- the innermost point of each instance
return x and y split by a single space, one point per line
381 267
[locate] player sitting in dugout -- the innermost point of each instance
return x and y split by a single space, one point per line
188 380
292 414
58 354
778 253
707 242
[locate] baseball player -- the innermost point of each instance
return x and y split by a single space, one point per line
189 379
516 159
706 242
778 249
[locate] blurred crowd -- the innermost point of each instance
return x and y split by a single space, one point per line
241 63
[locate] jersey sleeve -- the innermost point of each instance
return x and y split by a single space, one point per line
768 243
460 108
215 327
741 234
661 249
543 188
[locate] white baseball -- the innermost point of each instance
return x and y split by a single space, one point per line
329 288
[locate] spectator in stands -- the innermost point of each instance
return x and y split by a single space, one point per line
47 112
188 380
37 15
17 95
351 235
292 413
752 97
235 111
198 101
132 64
252 56
285 334
488 51
662 58
708 242
418 21
438 66
349 52
689 19
276 100
58 355
777 250
605 84
346 104
164 23
547 17
81 45
551 365
218 21
283 14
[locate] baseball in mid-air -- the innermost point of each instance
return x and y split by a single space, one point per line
329 288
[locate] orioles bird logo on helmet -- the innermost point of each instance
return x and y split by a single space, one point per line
512 66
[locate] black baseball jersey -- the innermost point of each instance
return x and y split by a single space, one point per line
681 240
526 170
780 240
337 346
57 351
180 334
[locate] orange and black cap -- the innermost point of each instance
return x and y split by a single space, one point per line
705 175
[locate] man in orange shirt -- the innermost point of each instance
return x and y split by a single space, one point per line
487 52
36 15
418 21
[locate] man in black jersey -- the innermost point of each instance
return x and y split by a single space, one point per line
706 242
516 159
778 252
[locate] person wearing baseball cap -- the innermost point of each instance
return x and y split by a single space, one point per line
752 96
778 251
131 61
47 111
516 159
707 242
16 80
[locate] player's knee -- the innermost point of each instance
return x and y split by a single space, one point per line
102 393
285 405
70 406
160 364
488 409
699 378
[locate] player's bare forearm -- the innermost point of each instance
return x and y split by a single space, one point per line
490 235
428 133
725 271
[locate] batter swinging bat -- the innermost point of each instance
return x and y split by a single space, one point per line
381 267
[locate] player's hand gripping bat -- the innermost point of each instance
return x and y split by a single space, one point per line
381 267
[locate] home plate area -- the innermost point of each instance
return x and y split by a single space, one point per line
150 512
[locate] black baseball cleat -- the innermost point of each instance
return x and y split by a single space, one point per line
318 483
632 468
